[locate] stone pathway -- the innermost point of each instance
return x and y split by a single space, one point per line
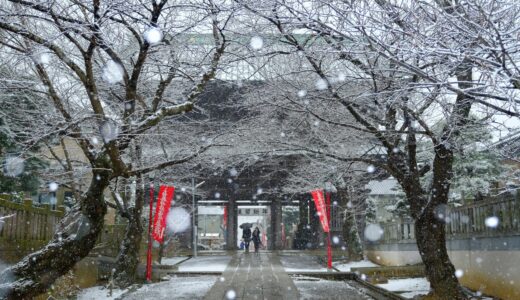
254 276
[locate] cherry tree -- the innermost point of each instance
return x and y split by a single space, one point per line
110 72
397 69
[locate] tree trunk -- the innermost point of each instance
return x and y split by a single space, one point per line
75 237
431 241
128 257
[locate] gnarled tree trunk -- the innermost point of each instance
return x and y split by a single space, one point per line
431 242
128 257
73 240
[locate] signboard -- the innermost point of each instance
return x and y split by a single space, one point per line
161 211
319 201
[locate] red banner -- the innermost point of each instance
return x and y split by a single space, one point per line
225 217
161 211
317 195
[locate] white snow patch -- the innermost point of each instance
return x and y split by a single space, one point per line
176 288
205 263
99 292
346 267
409 286
170 261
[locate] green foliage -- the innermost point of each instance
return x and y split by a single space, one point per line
475 168
370 211
351 236
12 124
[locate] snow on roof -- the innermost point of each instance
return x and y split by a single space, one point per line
388 186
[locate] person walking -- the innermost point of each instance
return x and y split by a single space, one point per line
256 239
246 236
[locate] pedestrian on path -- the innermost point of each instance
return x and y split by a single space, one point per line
246 235
256 239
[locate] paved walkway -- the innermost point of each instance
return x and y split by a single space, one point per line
254 276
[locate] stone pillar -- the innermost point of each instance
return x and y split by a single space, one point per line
276 225
232 225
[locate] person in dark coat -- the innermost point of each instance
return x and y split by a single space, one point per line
246 235
256 239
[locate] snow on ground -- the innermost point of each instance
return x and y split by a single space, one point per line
407 287
316 288
205 263
194 287
175 288
99 292
170 261
301 263
346 267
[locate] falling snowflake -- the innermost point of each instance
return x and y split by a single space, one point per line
231 294
259 191
321 84
178 220
233 172
153 35
109 131
44 58
335 239
113 72
13 166
217 195
302 93
459 273
373 232
371 169
256 43
492 222
53 186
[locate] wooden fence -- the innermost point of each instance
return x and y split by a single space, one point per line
25 227
24 221
467 221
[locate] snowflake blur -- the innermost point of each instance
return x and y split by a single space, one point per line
113 72
178 220
256 43
14 166
153 35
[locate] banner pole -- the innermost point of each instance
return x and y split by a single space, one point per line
329 220
329 252
149 253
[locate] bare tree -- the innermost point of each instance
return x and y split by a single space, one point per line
397 69
105 69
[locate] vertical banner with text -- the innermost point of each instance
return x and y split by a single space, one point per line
161 211
319 201
321 207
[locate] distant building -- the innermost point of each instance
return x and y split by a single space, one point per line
386 195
